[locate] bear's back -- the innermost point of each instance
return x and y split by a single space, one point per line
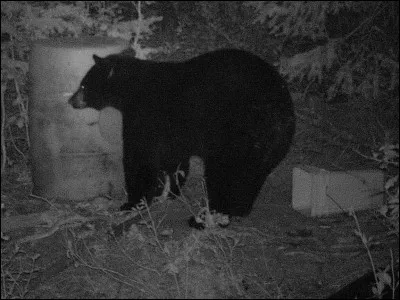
231 73
213 91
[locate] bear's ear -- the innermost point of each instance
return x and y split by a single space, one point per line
97 59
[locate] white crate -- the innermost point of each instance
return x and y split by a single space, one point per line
319 192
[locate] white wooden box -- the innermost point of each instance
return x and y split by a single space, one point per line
319 192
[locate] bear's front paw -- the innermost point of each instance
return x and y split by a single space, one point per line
210 220
127 206
194 224
131 205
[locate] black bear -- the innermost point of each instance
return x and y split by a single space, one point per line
228 107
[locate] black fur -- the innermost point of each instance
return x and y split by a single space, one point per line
228 107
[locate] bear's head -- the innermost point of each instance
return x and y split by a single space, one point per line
99 87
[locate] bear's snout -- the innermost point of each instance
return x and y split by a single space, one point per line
77 100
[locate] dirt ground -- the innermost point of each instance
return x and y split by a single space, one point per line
276 252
